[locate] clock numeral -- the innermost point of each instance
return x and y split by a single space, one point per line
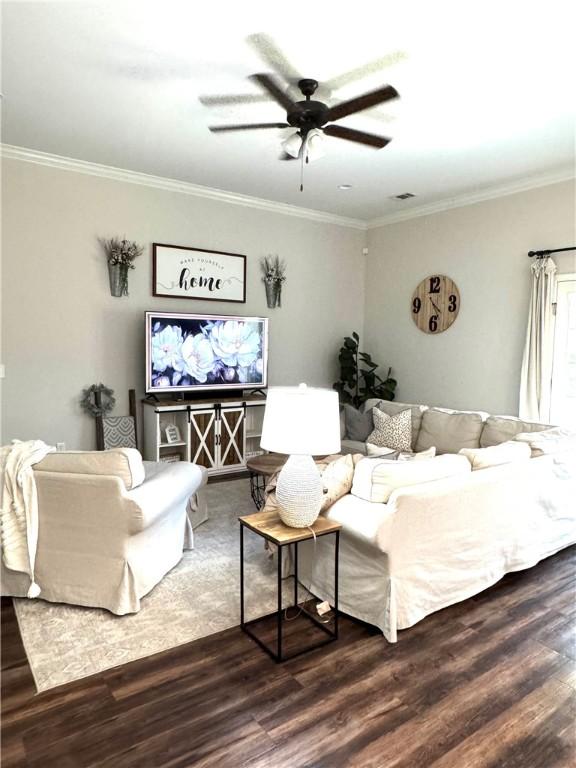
433 323
434 285
452 303
416 305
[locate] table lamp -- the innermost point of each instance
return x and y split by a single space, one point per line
302 422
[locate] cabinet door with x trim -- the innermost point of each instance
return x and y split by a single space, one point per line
231 439
204 437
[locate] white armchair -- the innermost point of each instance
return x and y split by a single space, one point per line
110 527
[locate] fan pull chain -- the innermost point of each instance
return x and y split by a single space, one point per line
302 166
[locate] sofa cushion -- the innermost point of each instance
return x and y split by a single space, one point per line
449 431
499 429
494 455
392 431
125 463
376 479
392 408
358 424
553 440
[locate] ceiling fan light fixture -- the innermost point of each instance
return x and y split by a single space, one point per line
315 146
293 145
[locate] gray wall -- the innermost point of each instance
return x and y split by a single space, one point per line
63 331
483 247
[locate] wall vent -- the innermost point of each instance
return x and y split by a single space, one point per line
403 196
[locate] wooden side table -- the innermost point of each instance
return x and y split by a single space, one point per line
270 527
261 468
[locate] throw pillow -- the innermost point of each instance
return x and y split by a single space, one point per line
380 450
358 424
337 480
392 431
392 408
429 453
494 455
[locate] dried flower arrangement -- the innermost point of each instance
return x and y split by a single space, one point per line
121 251
274 274
120 254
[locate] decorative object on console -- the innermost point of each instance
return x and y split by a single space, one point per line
172 434
357 384
435 304
274 274
392 431
120 255
179 272
302 422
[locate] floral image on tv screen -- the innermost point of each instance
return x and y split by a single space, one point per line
189 352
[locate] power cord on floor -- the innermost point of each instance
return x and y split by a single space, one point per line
324 619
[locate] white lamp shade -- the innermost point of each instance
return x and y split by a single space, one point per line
301 420
315 146
293 145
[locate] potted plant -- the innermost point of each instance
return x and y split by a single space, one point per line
358 378
120 255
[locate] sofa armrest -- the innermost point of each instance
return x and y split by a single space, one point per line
166 485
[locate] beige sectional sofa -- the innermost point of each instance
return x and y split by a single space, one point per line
423 535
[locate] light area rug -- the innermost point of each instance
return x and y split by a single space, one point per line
199 597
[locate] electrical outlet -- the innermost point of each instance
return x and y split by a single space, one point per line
60 446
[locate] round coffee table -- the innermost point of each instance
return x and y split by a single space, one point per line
261 468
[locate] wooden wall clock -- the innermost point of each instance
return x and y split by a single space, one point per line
435 304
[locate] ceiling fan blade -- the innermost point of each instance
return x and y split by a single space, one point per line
273 89
360 137
361 103
271 54
368 69
246 127
227 99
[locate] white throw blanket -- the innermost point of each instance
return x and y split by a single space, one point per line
19 506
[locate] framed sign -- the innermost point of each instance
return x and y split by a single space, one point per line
195 273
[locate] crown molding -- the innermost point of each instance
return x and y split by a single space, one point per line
481 195
24 154
12 152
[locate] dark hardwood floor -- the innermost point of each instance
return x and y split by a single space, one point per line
488 683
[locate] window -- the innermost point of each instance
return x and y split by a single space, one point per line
563 410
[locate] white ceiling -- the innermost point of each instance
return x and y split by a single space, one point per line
487 93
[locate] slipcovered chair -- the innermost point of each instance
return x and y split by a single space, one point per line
110 527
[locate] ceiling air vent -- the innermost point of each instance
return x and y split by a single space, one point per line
403 196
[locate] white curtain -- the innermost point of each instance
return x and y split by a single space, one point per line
536 375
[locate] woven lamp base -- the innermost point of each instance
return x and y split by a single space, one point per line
299 492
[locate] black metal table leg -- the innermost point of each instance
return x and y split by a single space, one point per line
278 653
241 575
296 574
336 561
279 619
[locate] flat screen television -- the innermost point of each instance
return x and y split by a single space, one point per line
189 352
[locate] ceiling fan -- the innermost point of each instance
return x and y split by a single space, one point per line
312 118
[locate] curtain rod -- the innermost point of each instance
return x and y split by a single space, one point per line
541 254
